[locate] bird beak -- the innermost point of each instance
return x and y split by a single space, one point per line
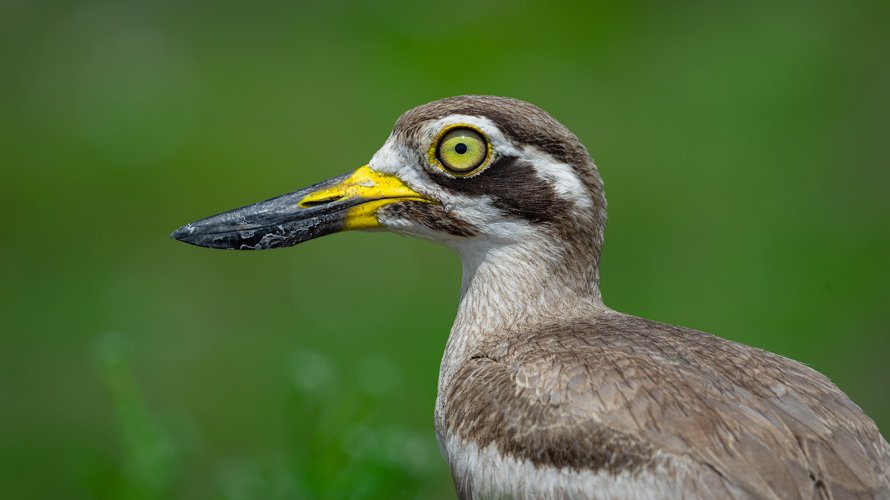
347 202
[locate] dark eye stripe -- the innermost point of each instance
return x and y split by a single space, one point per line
515 189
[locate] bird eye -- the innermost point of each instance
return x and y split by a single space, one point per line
462 150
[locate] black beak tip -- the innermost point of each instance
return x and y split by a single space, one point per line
273 223
183 234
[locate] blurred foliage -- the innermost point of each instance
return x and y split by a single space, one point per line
149 455
744 149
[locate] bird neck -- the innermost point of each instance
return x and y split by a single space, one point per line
512 287
507 286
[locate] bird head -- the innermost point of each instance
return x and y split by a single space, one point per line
480 174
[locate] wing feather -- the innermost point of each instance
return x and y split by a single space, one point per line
607 393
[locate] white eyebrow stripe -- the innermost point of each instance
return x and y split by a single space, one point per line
564 178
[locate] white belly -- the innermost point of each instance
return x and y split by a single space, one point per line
486 473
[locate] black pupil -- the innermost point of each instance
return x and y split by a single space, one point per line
460 148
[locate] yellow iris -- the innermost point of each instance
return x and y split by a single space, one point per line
462 150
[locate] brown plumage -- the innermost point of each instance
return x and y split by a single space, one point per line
605 392
559 382
544 392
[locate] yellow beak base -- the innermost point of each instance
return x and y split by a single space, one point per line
374 188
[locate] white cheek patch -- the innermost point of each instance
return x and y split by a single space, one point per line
481 212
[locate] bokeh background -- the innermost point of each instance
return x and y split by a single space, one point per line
744 150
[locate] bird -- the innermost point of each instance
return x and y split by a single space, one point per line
544 391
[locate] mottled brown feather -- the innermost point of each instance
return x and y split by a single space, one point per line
606 392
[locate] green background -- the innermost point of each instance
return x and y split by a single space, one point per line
745 156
